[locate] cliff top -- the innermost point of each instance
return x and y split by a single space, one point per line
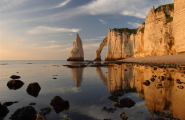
165 7
121 30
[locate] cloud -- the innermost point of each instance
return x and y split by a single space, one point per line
136 8
50 30
70 34
91 46
104 22
10 4
92 39
52 41
61 4
101 37
136 25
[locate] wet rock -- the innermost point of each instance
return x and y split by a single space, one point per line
45 111
162 78
66 118
159 86
113 98
180 87
152 79
38 117
178 81
155 68
116 102
15 77
24 113
117 93
169 78
32 104
127 102
15 84
123 116
9 103
147 83
76 66
33 89
167 113
59 104
109 110
3 111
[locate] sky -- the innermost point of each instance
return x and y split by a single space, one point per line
46 29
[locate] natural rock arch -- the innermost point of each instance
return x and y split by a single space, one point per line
98 51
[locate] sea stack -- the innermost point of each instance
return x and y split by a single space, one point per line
77 53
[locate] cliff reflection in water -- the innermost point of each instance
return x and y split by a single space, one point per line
129 78
77 75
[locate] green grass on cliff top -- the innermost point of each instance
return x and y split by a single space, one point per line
166 7
121 30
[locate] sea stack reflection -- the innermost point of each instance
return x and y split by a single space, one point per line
77 53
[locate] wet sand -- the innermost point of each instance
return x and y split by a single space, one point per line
174 59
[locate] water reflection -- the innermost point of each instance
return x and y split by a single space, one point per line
77 75
101 75
129 78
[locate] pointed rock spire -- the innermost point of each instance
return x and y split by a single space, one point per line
77 53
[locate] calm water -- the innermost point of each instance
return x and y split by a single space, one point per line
87 90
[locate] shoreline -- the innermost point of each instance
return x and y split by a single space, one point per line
167 59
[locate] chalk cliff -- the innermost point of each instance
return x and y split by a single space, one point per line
98 51
163 33
77 53
179 25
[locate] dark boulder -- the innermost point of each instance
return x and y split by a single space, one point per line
127 102
15 77
147 83
9 103
3 111
15 84
180 87
24 113
59 104
123 116
152 79
113 98
109 110
33 89
45 111
117 93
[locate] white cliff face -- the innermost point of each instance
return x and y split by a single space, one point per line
155 37
179 25
77 53
163 33
158 34
98 51
114 45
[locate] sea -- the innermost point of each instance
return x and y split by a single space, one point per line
88 89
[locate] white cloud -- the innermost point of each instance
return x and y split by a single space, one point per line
49 30
136 25
136 8
70 34
61 4
104 22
